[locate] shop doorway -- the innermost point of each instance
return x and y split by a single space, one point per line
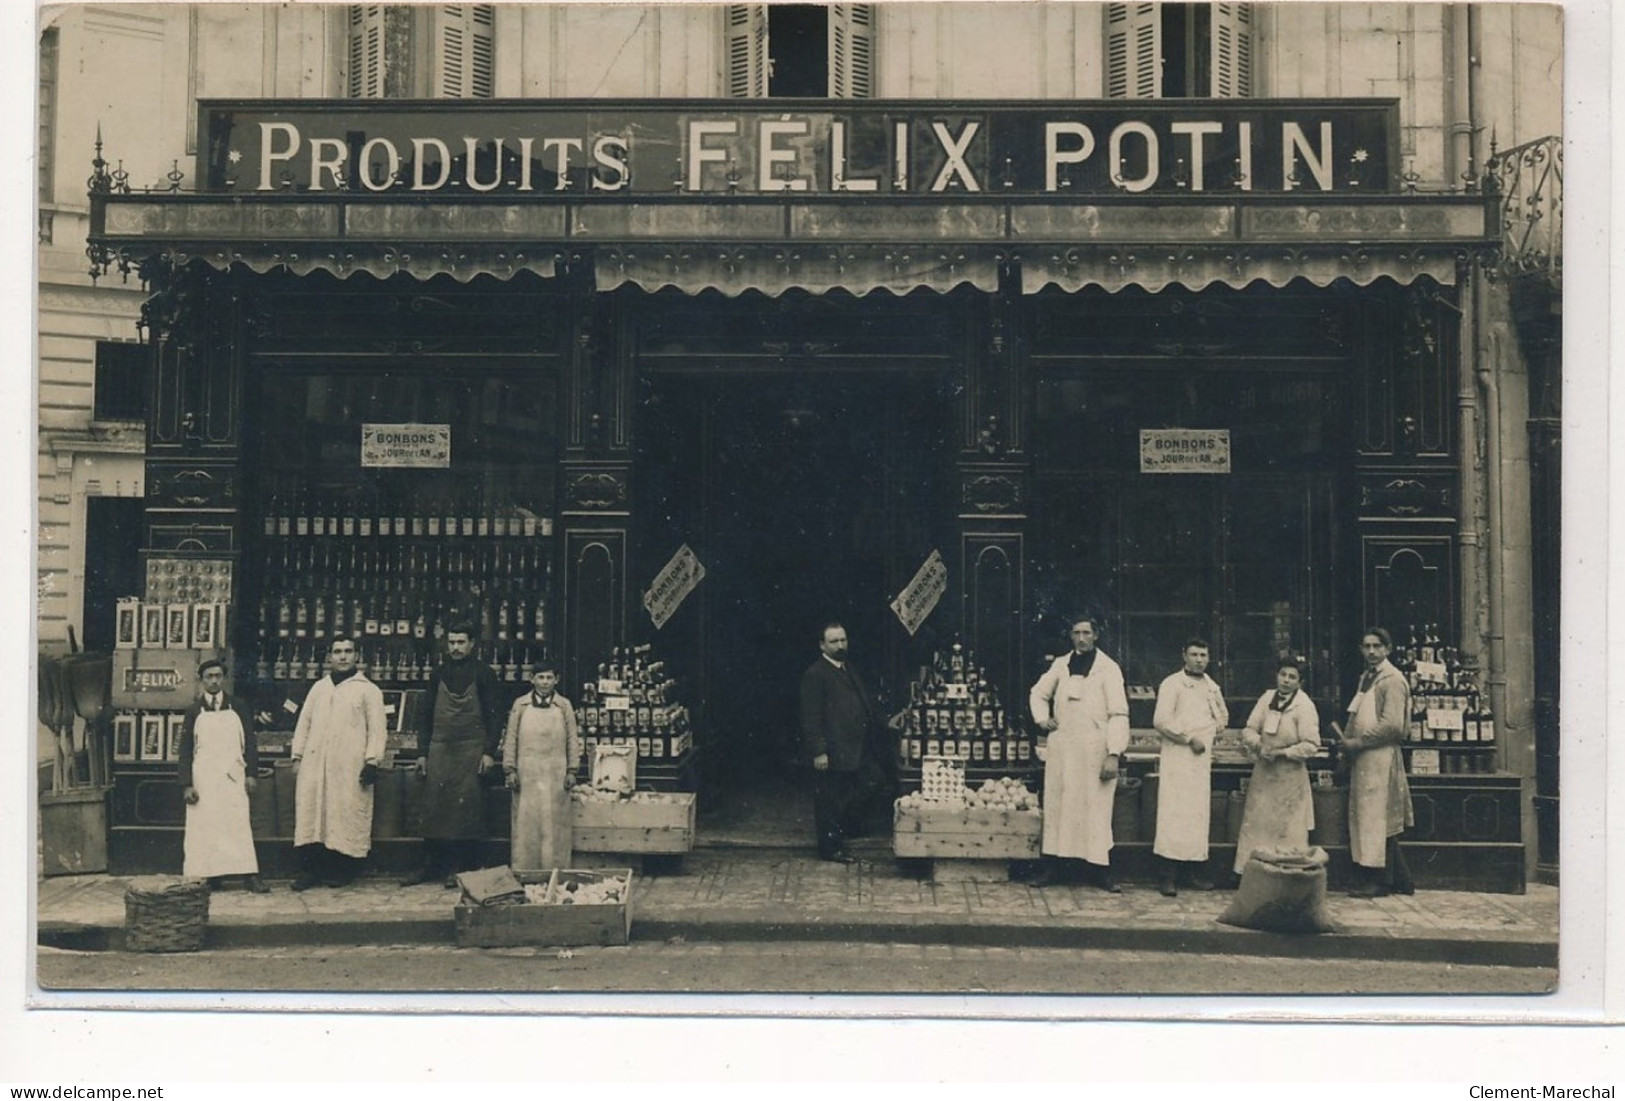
808 498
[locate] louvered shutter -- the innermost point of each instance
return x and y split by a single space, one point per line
366 51
747 50
1232 50
463 50
852 51
1133 51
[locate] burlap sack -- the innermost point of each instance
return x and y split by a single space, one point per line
1282 892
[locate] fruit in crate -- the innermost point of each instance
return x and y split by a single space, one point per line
599 892
1005 793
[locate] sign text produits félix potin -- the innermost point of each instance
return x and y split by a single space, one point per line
609 151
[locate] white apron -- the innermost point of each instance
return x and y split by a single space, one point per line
541 818
1379 797
1184 803
219 840
339 729
1077 802
1280 809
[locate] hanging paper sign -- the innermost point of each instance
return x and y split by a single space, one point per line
919 597
424 446
672 584
1184 451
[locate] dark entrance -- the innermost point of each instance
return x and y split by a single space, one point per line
809 497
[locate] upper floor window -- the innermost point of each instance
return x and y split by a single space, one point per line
48 66
421 51
813 50
1168 51
120 393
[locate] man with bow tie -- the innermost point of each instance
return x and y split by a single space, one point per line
839 726
218 759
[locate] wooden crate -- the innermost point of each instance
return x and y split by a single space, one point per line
665 825
549 925
968 833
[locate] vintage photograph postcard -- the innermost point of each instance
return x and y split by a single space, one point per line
883 500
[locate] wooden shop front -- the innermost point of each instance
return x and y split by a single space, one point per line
401 375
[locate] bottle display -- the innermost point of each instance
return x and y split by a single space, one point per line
394 570
632 701
954 711
1450 715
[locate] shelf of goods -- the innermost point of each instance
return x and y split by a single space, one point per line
632 702
953 711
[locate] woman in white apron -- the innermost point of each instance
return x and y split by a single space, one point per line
1080 702
217 764
1379 796
1282 733
540 752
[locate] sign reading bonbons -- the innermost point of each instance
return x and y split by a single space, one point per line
672 584
919 597
424 446
1184 451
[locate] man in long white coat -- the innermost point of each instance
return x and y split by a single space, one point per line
1190 713
1082 708
338 744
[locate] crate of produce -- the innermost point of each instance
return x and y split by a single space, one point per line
645 822
561 908
998 821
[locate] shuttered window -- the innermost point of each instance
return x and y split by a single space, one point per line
764 62
387 50
1177 50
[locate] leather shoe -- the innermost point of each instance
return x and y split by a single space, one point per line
1369 890
451 883
839 856
257 885
422 875
1166 887
1200 883
306 880
1044 877
1108 884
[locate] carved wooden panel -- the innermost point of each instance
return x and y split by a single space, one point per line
597 488
1409 581
595 571
992 489
195 485
1407 374
1408 495
167 532
993 608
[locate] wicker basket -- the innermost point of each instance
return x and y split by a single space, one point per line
165 914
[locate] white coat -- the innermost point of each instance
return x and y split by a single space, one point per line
1192 707
1379 795
341 728
1092 713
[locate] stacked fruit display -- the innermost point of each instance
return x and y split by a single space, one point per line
573 892
1005 793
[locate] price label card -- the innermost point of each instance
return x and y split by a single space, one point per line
1425 762
617 703
956 691
608 687
1432 672
290 707
1445 719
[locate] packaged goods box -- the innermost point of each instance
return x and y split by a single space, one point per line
966 833
513 925
664 824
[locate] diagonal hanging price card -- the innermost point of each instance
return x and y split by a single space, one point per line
674 582
919 597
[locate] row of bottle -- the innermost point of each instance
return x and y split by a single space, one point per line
640 721
498 620
632 698
336 564
397 661
953 696
1010 748
351 515
1457 718
664 746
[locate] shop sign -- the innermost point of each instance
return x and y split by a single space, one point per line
1184 451
919 597
606 150
672 584
422 446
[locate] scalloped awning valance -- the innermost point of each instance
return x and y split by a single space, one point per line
859 247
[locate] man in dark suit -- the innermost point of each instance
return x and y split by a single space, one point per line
838 725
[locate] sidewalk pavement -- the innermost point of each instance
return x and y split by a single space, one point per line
728 894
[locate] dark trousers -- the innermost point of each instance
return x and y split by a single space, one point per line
1396 874
442 857
841 798
328 865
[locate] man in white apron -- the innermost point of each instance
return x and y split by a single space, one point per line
338 743
1081 707
218 760
1190 713
1379 796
